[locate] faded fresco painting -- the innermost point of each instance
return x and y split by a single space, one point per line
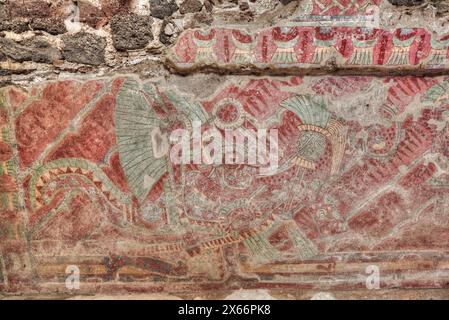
306 156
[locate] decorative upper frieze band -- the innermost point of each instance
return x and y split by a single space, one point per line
293 48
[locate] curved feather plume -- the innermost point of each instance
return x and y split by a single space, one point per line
135 120
308 110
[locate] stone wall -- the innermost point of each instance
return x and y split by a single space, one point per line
357 91
48 39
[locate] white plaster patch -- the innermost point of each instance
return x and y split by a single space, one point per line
141 7
257 294
323 296
72 23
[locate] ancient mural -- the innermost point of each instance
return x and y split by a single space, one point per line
360 178
355 175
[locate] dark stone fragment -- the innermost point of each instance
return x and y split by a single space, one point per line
244 6
29 9
51 25
130 32
8 72
163 37
3 13
84 48
162 8
8 24
407 3
34 49
208 5
17 25
190 6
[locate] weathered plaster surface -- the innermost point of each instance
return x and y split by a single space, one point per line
359 207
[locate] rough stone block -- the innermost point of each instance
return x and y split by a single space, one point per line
189 6
35 49
51 25
163 8
84 48
130 32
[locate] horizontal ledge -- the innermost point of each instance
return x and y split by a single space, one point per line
330 69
